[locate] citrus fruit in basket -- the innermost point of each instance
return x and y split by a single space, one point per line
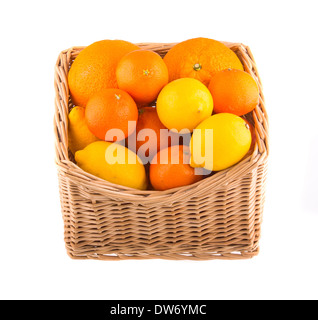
200 58
234 91
114 163
184 103
220 142
108 114
94 68
142 73
151 134
79 135
170 169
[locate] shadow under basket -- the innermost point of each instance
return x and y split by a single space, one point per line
217 218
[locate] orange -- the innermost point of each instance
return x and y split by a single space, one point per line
199 58
142 74
151 133
111 109
94 68
234 91
175 172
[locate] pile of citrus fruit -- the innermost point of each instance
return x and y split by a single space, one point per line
147 122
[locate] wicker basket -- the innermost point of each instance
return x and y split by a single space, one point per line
217 218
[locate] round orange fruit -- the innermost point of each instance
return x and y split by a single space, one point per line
111 109
94 68
199 58
234 91
170 169
151 134
142 73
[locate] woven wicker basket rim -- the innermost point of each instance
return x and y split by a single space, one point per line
220 179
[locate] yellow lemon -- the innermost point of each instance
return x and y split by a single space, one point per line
114 163
220 142
184 103
79 135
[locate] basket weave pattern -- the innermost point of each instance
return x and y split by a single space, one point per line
217 218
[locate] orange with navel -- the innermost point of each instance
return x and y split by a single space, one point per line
111 109
200 58
142 73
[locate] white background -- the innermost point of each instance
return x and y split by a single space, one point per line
33 259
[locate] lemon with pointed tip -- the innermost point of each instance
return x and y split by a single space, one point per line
114 163
184 103
79 135
220 142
